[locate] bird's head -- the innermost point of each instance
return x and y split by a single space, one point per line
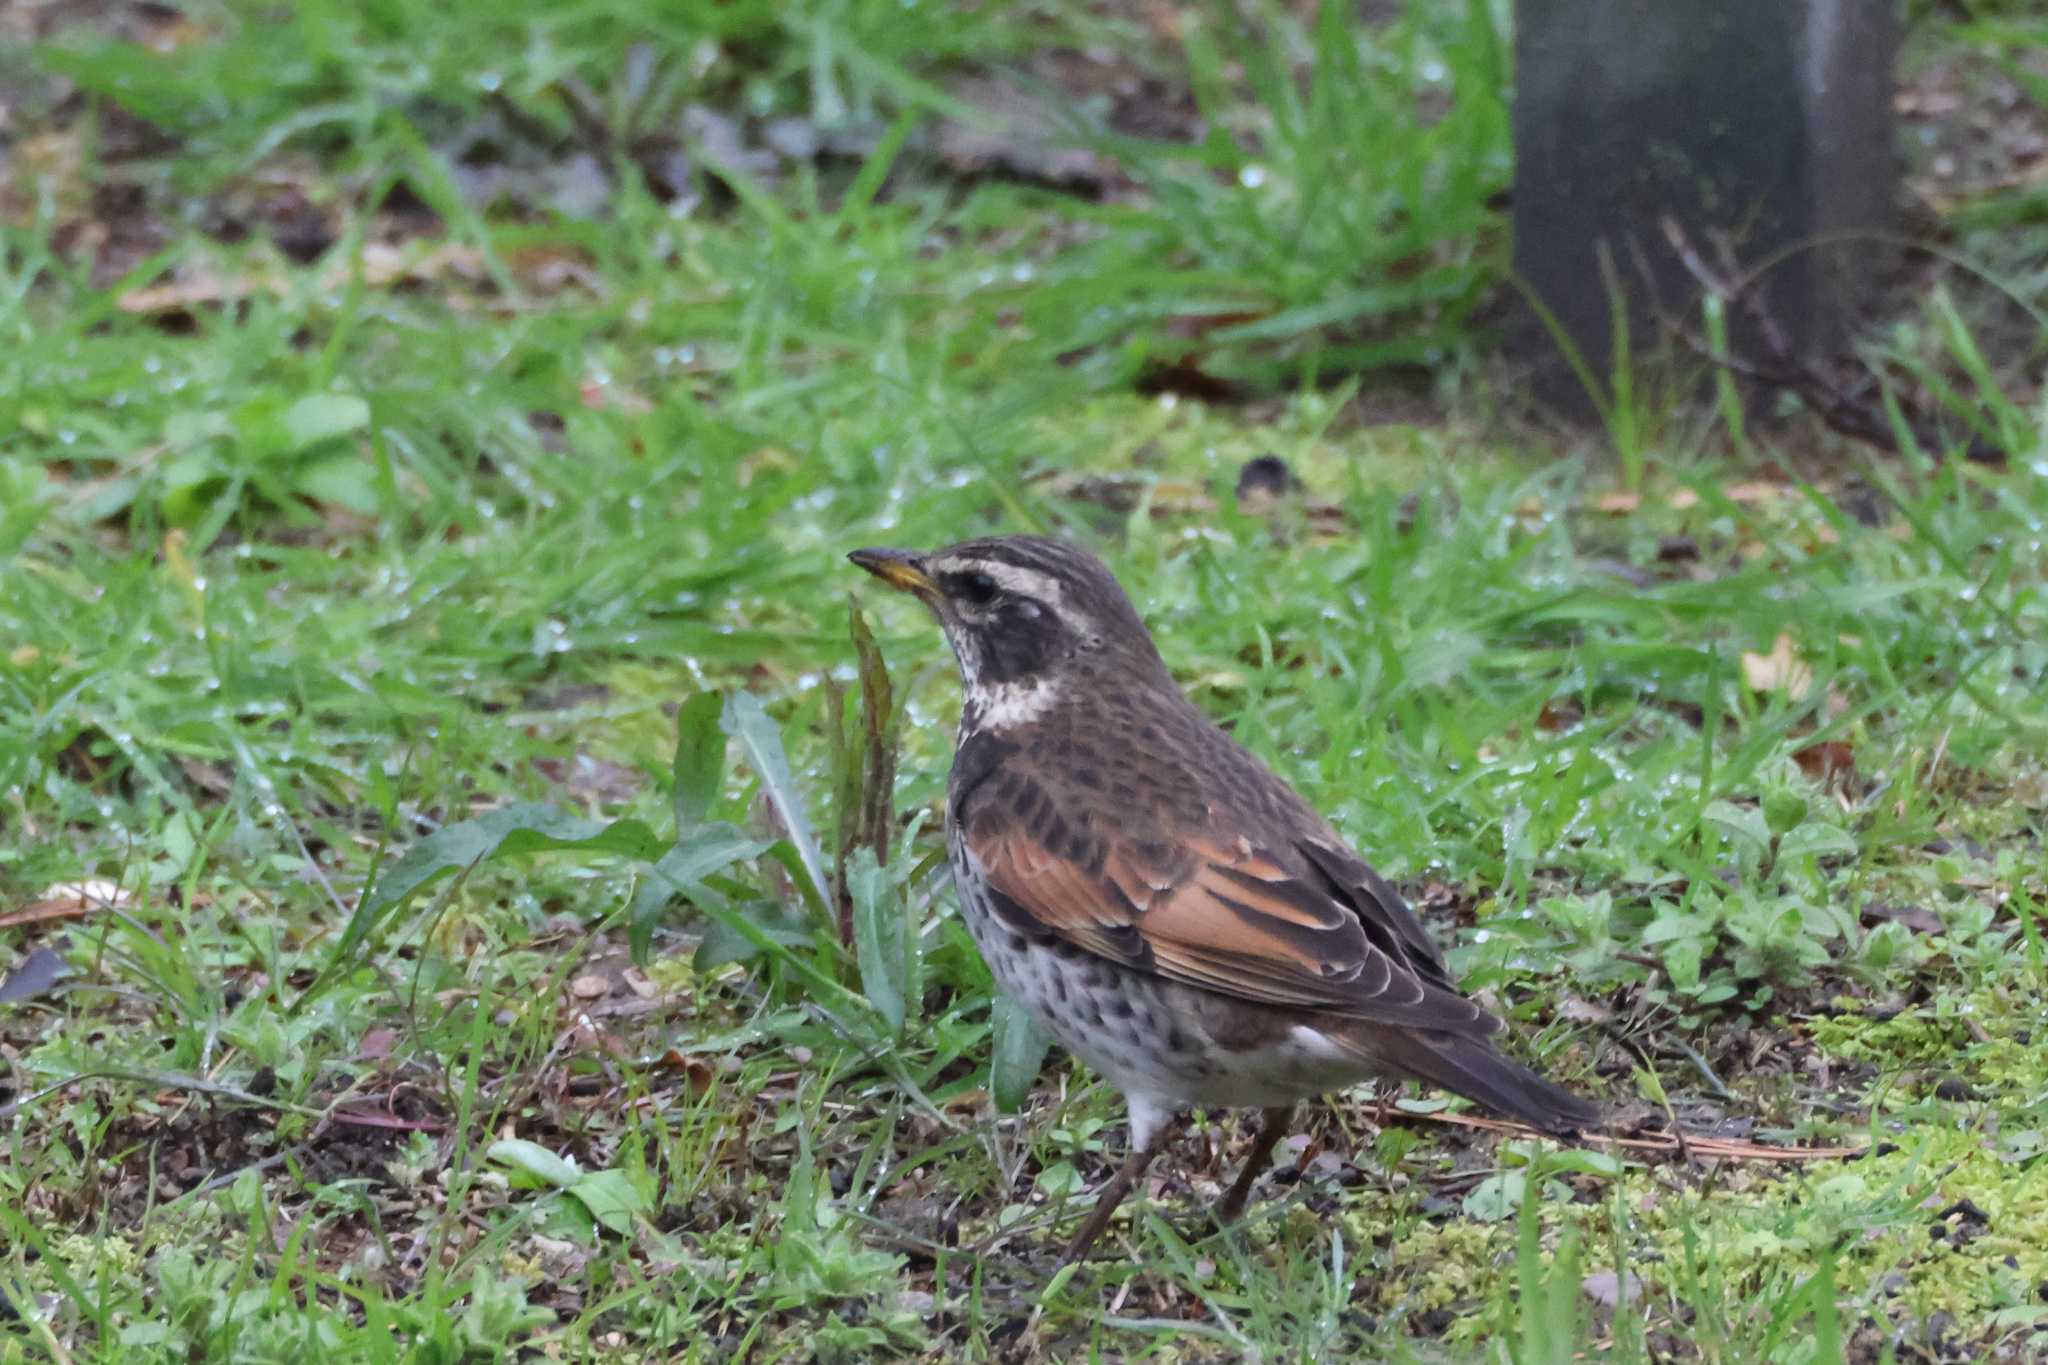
1024 615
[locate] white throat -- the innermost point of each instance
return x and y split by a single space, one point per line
1000 706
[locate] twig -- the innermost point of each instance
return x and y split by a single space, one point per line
1724 1149
1838 409
169 1080
227 1178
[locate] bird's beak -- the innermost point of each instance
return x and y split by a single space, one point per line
900 569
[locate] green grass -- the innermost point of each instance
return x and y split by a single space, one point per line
457 981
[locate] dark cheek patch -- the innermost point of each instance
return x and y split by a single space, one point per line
1014 647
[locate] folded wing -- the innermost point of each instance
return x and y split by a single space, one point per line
1309 925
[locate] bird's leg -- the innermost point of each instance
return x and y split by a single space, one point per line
1114 1193
1272 1127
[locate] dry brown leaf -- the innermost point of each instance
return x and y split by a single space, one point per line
377 1044
1618 501
1917 918
590 986
1578 1010
199 285
550 268
1682 499
386 264
383 265
1124 492
70 900
1781 670
1826 759
698 1072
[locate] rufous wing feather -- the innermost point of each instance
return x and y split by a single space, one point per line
1226 916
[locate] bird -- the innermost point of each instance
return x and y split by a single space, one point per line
1160 901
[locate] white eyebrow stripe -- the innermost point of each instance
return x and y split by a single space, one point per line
1033 583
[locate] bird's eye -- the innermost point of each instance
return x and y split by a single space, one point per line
977 589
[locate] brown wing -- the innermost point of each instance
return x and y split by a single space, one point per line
1309 926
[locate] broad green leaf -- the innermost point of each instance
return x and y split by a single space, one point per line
882 939
1682 963
1496 1197
1817 840
761 742
347 479
541 1166
1743 824
321 417
696 854
699 766
1020 1046
613 1200
1578 1161
724 941
1784 810
1672 925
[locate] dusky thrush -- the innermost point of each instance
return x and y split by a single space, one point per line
1165 906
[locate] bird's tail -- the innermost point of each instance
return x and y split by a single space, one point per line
1472 1067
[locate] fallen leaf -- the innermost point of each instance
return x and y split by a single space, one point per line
590 986
1918 918
1826 760
70 900
382 264
385 264
593 779
549 268
377 1044
1124 492
198 285
1618 501
1682 499
1781 670
584 1036
34 975
697 1072
1577 1010
1609 1289
1021 133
